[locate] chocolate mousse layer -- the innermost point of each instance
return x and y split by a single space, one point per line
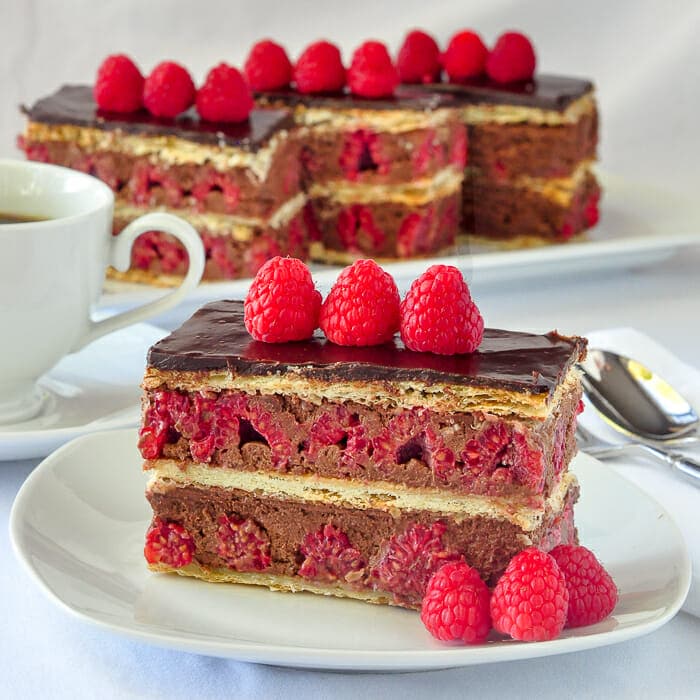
499 152
529 214
362 550
383 230
420 449
148 182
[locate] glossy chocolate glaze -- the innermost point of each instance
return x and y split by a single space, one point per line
215 338
74 104
553 92
408 97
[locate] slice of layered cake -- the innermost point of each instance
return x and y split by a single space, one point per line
532 145
383 175
354 471
238 184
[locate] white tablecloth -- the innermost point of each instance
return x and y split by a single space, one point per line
45 652
645 58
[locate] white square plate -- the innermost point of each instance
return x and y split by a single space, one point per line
78 526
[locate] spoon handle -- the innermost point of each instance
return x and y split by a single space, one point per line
686 466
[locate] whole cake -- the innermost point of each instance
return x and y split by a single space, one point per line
354 471
334 163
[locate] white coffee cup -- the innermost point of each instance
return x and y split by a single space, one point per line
52 272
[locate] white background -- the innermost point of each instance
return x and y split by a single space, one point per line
645 59
644 55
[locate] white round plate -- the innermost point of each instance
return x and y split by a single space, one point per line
79 520
94 389
640 225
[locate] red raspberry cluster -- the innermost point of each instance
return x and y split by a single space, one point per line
225 95
169 90
536 597
364 308
511 59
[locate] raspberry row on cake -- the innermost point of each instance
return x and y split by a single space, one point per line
529 179
355 471
383 175
237 183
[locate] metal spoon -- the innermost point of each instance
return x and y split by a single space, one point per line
635 401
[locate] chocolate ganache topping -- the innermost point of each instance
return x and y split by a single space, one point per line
74 104
542 92
406 97
215 338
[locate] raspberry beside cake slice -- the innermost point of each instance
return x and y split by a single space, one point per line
354 471
237 184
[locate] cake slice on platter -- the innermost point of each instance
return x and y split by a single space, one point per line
383 175
354 471
529 179
238 184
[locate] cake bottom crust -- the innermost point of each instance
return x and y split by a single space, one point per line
275 582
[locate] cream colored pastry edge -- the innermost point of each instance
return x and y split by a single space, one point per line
445 397
237 227
164 148
348 493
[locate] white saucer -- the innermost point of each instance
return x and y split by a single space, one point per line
78 525
94 389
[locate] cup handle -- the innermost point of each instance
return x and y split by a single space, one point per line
120 258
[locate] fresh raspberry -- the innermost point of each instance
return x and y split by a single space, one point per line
362 307
267 66
242 544
168 543
338 426
319 69
456 605
329 556
592 592
168 90
438 314
371 72
410 559
511 59
282 303
530 600
419 59
119 85
224 97
465 56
